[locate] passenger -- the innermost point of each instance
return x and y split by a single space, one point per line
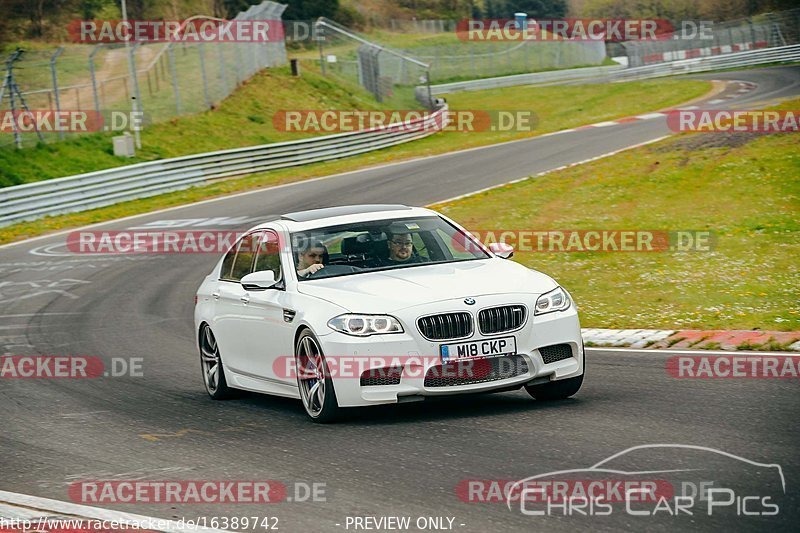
401 251
309 258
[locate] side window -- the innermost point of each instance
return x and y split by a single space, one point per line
269 255
244 257
459 246
227 263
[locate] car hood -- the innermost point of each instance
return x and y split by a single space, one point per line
391 290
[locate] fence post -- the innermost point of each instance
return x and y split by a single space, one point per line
320 38
9 85
203 74
238 63
472 59
222 69
174 74
94 79
53 59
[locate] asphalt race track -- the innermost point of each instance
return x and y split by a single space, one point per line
404 460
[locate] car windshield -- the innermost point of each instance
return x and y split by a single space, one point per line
380 245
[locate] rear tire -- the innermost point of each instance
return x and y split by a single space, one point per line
314 381
211 365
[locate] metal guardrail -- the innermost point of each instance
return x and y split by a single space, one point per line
106 187
781 54
524 79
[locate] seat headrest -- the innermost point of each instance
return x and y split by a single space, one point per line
360 244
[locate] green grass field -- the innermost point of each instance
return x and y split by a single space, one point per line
743 188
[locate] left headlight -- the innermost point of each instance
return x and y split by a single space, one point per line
555 300
365 325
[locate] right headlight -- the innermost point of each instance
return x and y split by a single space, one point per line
365 325
555 300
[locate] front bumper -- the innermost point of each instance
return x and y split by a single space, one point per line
417 356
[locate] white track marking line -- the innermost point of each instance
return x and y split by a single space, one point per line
691 352
648 116
37 314
75 511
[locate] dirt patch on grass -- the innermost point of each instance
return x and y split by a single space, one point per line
703 141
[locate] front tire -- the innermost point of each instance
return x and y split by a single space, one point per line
211 365
556 390
314 380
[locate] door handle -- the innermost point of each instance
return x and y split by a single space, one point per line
245 299
215 295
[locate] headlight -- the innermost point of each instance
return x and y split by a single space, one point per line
365 325
555 300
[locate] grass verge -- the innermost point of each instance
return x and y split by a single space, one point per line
741 187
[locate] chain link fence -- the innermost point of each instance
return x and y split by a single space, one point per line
420 25
167 79
761 31
389 73
471 60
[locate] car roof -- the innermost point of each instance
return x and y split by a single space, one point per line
330 212
334 216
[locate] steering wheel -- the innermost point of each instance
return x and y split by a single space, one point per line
333 270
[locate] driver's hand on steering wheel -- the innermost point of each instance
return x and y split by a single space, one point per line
312 269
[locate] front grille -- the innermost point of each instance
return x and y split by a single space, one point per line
445 326
500 319
388 375
556 352
471 371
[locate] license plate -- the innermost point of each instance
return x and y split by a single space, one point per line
482 348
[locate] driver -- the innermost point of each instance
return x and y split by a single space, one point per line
309 258
401 250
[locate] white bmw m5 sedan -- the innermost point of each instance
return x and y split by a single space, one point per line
376 304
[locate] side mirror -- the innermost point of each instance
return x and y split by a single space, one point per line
501 249
256 281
